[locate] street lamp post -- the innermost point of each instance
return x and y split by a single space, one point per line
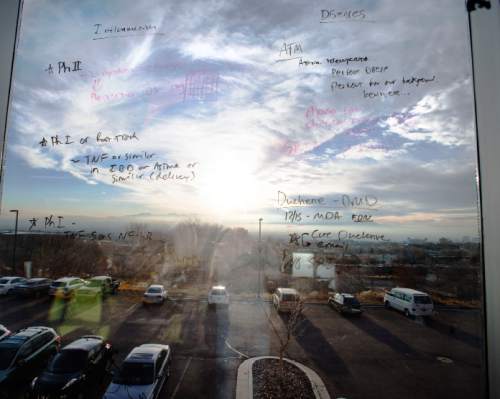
15 242
260 251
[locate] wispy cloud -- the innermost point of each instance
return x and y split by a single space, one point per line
253 135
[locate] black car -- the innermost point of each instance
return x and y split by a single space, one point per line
25 353
33 287
75 370
345 304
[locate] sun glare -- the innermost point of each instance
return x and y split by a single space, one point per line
230 186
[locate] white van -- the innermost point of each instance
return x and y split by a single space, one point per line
409 301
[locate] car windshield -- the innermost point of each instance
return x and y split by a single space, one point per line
7 353
95 283
422 299
58 284
289 298
68 361
154 290
33 282
351 302
218 291
135 374
4 281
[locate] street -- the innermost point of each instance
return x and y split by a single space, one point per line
380 354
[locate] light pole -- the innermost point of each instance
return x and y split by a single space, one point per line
260 250
15 242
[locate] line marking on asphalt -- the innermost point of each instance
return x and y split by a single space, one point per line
130 309
182 378
124 315
235 350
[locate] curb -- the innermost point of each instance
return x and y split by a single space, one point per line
244 381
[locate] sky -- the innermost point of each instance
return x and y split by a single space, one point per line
213 104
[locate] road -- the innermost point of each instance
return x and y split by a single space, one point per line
380 354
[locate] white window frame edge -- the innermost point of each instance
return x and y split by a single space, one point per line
10 13
485 32
485 27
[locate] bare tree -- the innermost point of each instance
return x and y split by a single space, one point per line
292 322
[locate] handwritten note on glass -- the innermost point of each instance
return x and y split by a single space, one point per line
244 142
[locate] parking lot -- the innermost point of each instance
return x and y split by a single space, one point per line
380 354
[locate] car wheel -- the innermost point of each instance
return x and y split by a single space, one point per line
387 305
407 313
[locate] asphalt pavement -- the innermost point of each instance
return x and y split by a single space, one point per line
381 354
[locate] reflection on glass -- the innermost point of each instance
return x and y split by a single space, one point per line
324 147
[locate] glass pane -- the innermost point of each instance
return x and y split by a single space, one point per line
254 145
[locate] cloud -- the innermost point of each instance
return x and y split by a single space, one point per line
34 157
444 117
371 149
252 136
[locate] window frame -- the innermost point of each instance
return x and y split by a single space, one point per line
485 28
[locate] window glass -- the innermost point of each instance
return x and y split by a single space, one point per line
37 343
133 373
288 297
422 299
47 337
256 145
160 360
351 301
68 361
7 354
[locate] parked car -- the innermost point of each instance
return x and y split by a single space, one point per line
285 299
142 374
75 370
33 287
218 296
65 287
155 293
25 353
345 303
409 301
97 287
4 332
8 283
